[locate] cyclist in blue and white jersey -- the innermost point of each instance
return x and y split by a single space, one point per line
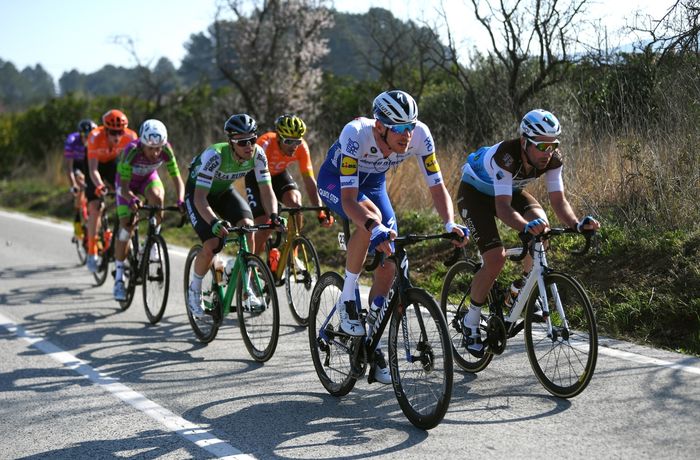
352 183
492 185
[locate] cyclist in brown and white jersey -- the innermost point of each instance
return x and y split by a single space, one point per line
492 185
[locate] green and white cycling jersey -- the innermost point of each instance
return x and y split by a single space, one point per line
216 168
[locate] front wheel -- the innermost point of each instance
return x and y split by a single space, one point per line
155 278
420 358
564 359
302 271
81 245
258 309
331 353
206 327
454 303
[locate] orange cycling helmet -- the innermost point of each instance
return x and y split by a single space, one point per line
115 119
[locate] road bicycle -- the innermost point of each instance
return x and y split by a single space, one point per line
420 352
298 268
552 307
250 279
105 232
147 264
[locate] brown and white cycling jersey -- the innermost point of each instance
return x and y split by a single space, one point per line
499 170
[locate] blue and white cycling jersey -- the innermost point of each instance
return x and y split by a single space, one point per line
358 161
499 170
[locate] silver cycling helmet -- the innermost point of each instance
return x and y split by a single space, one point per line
153 133
539 122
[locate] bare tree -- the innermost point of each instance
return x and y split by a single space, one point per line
531 45
270 52
677 32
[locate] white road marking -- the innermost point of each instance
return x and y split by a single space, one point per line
176 424
641 359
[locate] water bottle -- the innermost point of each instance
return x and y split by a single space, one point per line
229 268
374 309
513 292
274 259
219 272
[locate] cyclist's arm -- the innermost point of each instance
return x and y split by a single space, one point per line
563 209
95 176
68 162
507 214
442 202
312 190
202 205
269 200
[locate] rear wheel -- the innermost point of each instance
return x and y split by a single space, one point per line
420 358
258 309
155 278
131 265
81 245
330 352
302 271
454 303
563 360
206 327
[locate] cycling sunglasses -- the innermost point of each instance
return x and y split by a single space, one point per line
543 146
400 129
289 140
115 132
244 142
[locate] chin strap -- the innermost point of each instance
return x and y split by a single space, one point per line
384 136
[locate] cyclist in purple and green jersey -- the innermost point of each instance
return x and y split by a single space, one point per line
74 159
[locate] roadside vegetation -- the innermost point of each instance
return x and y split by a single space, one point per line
629 133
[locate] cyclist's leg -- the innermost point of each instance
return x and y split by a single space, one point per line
152 188
288 193
94 208
384 274
257 209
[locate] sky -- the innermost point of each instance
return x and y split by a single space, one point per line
62 35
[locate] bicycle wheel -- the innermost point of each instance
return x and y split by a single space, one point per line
102 262
155 278
258 309
206 327
330 354
454 302
302 272
81 246
564 360
420 358
131 264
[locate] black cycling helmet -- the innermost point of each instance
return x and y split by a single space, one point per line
241 123
86 125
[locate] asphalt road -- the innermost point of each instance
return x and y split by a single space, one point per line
79 378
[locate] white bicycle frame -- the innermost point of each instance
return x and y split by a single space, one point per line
536 275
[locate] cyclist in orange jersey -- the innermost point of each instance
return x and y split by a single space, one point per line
105 143
283 147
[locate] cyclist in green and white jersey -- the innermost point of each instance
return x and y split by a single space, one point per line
211 201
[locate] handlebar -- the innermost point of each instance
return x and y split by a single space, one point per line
154 209
304 208
243 229
529 240
407 240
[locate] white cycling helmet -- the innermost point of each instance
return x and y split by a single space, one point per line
540 122
395 107
153 133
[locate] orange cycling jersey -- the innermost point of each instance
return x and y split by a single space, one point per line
99 148
277 161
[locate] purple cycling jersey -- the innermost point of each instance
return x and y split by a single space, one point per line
73 148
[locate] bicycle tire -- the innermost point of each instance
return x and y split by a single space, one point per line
205 328
81 245
130 277
454 304
155 279
105 256
331 361
299 282
259 323
422 383
565 361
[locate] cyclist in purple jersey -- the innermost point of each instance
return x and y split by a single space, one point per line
492 185
137 175
75 162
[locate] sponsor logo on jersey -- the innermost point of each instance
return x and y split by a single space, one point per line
348 166
352 147
373 149
328 196
431 163
428 144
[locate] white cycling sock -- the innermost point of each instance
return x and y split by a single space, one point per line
349 286
471 319
119 274
196 283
